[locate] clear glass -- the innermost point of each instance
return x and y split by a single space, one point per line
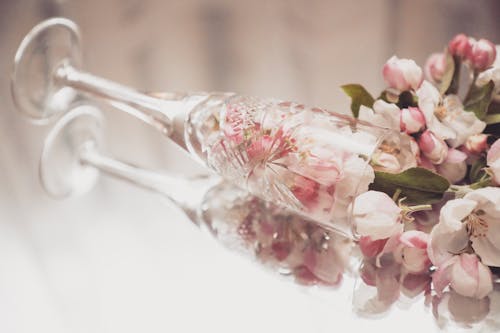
307 159
273 236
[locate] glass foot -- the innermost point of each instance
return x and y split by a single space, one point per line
47 46
61 172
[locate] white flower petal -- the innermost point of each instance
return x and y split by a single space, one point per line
490 255
444 244
454 211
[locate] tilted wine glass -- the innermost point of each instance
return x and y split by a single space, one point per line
307 159
73 157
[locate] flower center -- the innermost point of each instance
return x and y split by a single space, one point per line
389 148
440 112
476 226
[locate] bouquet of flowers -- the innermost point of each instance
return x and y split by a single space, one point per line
452 121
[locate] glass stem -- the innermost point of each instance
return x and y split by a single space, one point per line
187 194
155 111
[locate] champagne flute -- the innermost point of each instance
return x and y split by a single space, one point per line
307 159
72 160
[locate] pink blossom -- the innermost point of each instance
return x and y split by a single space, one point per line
454 167
477 143
482 55
376 215
469 221
402 74
412 251
325 170
411 120
446 117
493 161
260 147
460 46
432 147
465 274
306 191
435 67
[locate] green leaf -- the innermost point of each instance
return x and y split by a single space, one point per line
476 171
492 119
478 99
418 185
359 96
455 79
448 75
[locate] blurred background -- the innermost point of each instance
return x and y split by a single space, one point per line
120 259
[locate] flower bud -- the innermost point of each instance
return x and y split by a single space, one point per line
376 215
432 147
402 74
454 167
412 120
435 67
460 46
482 55
465 274
412 252
470 277
477 143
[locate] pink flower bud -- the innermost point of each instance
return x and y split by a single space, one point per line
460 46
402 74
435 67
477 143
376 215
412 120
465 274
482 55
432 147
412 252
470 277
454 167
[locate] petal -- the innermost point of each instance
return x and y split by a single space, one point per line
375 201
461 279
444 243
485 285
378 229
454 211
414 238
455 156
389 112
493 230
494 152
442 277
490 255
488 199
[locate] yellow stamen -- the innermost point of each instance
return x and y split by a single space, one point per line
475 225
440 112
